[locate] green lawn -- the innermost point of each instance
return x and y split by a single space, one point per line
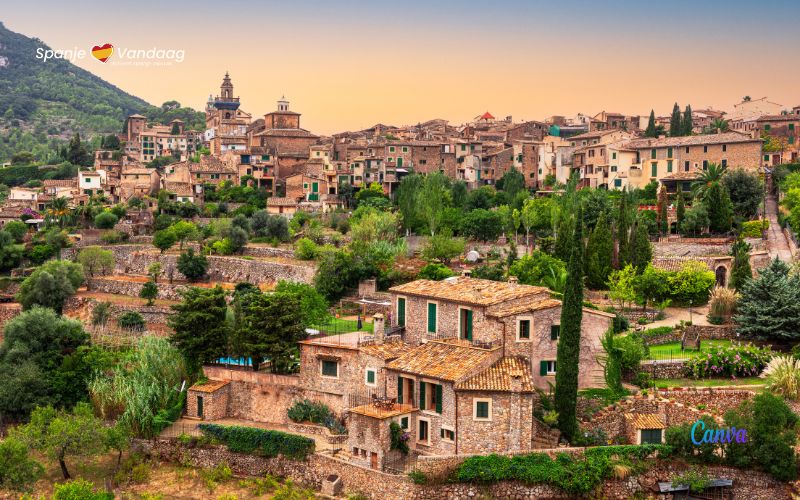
339 325
707 382
673 349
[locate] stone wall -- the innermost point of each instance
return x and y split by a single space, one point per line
131 288
7 312
664 369
379 485
136 258
215 404
718 400
712 332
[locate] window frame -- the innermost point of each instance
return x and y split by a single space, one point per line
374 372
322 368
397 309
475 416
529 319
460 323
427 440
444 430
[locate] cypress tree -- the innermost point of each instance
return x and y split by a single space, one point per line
623 230
680 209
720 211
563 243
687 121
650 131
641 252
741 272
675 123
568 354
663 201
599 253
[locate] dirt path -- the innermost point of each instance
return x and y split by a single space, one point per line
776 240
674 315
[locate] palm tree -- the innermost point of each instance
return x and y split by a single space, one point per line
719 125
708 177
58 210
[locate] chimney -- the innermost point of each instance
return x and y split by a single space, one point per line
378 328
467 273
513 280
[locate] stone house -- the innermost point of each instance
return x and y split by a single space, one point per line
785 129
458 374
303 187
208 400
673 160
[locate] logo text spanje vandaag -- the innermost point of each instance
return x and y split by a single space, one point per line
721 436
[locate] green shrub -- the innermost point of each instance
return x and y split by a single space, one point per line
435 271
17 470
305 249
398 438
218 474
736 360
264 442
418 477
633 351
697 481
288 491
79 489
643 380
655 332
131 320
316 413
753 228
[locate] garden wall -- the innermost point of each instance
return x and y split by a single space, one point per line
720 399
664 369
712 332
376 484
131 288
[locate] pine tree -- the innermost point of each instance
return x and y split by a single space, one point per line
770 305
687 121
599 254
741 272
650 131
568 355
623 229
675 123
680 209
641 251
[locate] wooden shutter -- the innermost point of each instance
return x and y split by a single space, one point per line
469 325
400 390
421 395
438 397
431 317
401 312
543 368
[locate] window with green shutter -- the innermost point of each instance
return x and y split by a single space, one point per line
437 395
653 154
614 155
617 182
654 170
542 368
482 409
431 317
651 436
767 127
401 311
525 329
766 157
669 166
330 368
421 395
400 390
791 126
555 331
370 376
791 139
466 323
404 423
669 152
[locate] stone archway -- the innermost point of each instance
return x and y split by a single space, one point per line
721 275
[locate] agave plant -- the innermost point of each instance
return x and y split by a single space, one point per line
783 376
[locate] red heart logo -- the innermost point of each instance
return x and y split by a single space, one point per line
102 52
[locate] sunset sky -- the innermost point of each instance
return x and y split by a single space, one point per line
346 65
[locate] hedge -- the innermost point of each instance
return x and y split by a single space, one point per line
752 228
574 475
257 441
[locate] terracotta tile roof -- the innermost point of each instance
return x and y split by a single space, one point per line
281 202
179 188
60 182
779 118
592 135
211 164
535 305
691 140
209 386
499 376
675 263
691 175
387 350
468 290
441 360
645 420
